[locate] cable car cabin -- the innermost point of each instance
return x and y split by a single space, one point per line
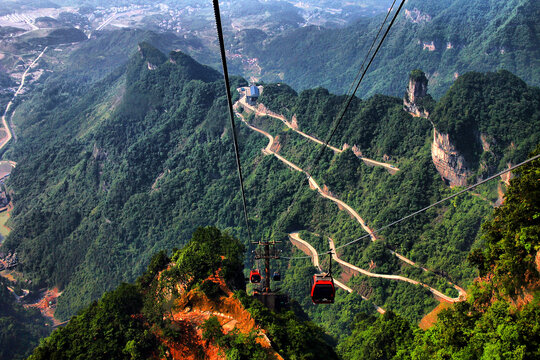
255 276
276 276
322 290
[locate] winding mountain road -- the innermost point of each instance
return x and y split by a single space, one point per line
310 251
435 292
315 186
283 119
107 21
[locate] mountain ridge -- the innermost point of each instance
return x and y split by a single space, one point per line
136 163
496 36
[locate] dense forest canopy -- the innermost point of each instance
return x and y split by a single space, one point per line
497 107
132 321
444 38
501 317
134 163
20 328
487 325
123 150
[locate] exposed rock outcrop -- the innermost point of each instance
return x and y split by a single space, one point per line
507 176
416 16
151 55
430 46
356 150
99 154
448 161
294 122
416 93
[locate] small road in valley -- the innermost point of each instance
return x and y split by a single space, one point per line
106 22
356 269
313 184
5 124
310 251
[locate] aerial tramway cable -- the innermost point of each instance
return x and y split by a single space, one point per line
231 112
255 275
351 97
442 200
370 48
429 206
340 118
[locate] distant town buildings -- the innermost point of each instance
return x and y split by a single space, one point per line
8 261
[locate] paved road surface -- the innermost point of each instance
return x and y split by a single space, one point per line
295 237
435 292
9 134
390 167
313 184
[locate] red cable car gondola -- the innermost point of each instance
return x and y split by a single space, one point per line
322 289
255 276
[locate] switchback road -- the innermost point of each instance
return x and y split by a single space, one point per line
310 250
315 186
282 118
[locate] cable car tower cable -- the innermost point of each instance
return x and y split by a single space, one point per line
442 200
313 165
231 112
340 118
370 48
267 297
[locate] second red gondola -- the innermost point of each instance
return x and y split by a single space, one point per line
322 289
255 276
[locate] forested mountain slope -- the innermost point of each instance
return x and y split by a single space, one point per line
20 329
134 163
444 38
108 49
485 114
440 239
114 161
501 317
184 307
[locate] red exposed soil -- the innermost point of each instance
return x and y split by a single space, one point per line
47 305
430 319
194 308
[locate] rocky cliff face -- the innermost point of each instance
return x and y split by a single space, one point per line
448 161
416 92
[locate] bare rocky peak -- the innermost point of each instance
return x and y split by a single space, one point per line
416 91
450 164
416 16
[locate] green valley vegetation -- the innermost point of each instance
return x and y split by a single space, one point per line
112 156
500 319
20 328
485 113
444 38
111 171
133 322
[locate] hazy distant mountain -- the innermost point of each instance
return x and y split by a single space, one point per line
445 39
